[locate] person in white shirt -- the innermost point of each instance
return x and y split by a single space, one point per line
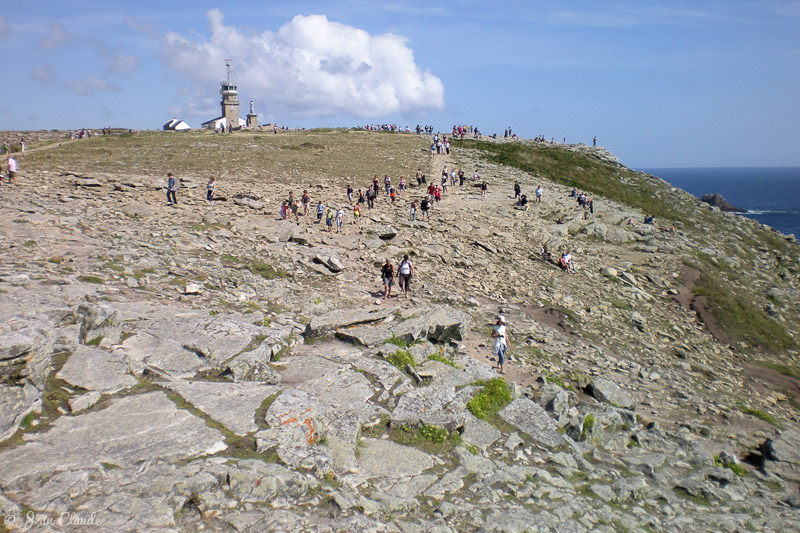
406 271
501 343
12 169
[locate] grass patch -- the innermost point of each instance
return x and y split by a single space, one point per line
760 414
442 359
791 371
397 341
494 395
96 341
588 425
401 358
696 498
429 438
619 303
737 469
586 173
91 279
740 319
267 271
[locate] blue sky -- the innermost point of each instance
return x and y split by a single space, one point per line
660 84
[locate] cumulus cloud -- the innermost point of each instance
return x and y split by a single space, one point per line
5 31
310 67
89 85
46 74
56 36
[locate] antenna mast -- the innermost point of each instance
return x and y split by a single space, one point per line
229 70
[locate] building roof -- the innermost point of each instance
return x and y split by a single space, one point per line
176 125
221 121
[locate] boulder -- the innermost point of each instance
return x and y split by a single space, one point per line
99 321
530 418
99 370
15 403
440 324
784 448
609 392
26 348
342 318
132 430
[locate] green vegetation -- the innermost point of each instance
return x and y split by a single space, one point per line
443 359
552 378
95 342
401 358
758 413
267 271
698 499
738 318
397 341
91 279
588 425
586 173
494 395
619 303
737 469
430 438
791 371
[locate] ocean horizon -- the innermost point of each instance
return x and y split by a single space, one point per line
766 193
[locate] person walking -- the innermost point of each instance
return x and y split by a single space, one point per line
320 211
339 219
405 272
211 188
539 192
500 335
172 187
329 220
484 187
413 211
387 277
306 201
12 169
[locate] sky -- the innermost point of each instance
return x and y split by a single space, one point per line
661 84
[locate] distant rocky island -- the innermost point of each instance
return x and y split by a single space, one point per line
717 200
212 366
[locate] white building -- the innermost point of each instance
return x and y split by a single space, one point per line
216 123
176 125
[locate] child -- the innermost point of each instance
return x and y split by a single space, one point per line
339 219
320 212
329 220
356 213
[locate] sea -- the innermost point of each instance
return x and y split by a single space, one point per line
771 195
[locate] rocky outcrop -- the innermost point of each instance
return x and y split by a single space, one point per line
719 201
183 369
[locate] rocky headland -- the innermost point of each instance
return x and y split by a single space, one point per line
209 366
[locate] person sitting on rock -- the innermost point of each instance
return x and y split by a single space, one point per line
566 262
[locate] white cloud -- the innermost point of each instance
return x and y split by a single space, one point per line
121 64
89 85
310 67
5 31
56 36
46 74
144 27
